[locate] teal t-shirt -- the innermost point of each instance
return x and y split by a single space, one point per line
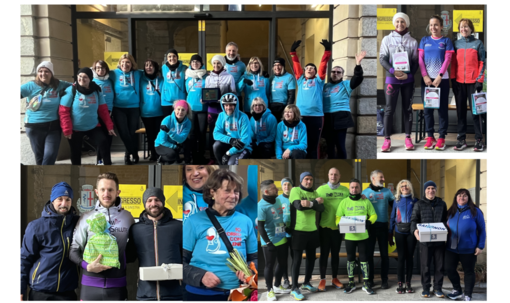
280 85
380 200
286 210
274 225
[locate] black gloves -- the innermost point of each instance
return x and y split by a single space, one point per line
390 239
248 82
326 44
295 45
289 230
224 159
367 224
237 143
455 87
271 246
164 128
478 87
265 74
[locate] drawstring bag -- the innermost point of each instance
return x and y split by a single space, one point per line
101 243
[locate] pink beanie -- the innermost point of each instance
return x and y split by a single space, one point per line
182 103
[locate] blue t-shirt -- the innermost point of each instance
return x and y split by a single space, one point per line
274 224
194 89
236 70
107 91
380 200
150 99
309 96
83 108
193 202
48 111
208 250
286 211
280 85
336 97
434 52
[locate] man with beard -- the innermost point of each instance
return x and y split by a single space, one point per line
100 282
283 89
156 239
45 249
381 198
233 65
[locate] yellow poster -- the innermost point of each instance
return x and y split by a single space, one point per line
366 185
173 195
112 59
132 198
385 18
185 58
476 16
209 57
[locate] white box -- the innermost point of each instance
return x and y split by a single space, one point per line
432 232
163 272
352 224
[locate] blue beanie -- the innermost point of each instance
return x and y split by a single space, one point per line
303 175
287 180
61 189
429 183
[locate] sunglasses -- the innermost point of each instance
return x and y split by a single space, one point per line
336 72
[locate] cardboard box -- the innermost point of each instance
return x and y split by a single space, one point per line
432 232
352 224
163 272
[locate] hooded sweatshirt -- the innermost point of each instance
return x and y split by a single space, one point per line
263 130
150 99
389 46
106 85
235 126
236 69
225 82
259 88
466 232
195 81
193 202
50 101
126 87
290 138
177 134
280 85
174 87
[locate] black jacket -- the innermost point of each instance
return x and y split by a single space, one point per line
168 248
427 211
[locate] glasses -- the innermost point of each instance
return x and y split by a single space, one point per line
258 105
336 72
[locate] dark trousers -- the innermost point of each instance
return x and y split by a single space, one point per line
378 232
89 293
109 139
391 94
195 297
336 138
211 122
406 245
296 263
167 110
289 252
152 126
220 149
297 154
427 254
313 133
34 295
45 143
468 262
127 121
197 137
97 136
277 110
264 150
442 111
331 240
463 94
168 155
280 254
350 247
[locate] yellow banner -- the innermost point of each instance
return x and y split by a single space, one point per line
476 16
173 194
209 57
132 198
185 58
112 59
366 185
385 18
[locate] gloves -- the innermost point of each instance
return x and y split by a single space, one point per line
455 87
164 128
271 246
295 45
326 44
390 239
248 82
367 224
237 143
265 74
478 87
224 159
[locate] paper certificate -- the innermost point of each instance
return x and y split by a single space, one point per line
432 97
479 104
401 61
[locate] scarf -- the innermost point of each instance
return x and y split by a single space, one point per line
333 186
375 188
269 199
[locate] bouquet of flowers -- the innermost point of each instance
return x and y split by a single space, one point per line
248 291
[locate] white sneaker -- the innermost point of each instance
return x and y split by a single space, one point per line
271 296
281 290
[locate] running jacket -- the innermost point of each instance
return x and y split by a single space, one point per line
259 88
280 86
45 264
361 207
225 82
303 218
263 130
389 46
248 205
178 132
380 200
50 101
153 244
468 63
434 56
126 87
120 221
174 87
465 232
290 138
235 126
332 198
236 69
193 202
150 98
309 97
106 85
82 112
195 81
401 212
429 211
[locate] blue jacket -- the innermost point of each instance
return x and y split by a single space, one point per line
177 134
127 88
45 264
50 101
466 232
401 212
174 87
290 138
259 88
236 126
263 130
248 205
150 99
107 91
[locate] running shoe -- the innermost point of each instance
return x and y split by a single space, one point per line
281 290
286 284
351 286
430 143
366 287
386 147
409 289
409 144
309 287
425 293
337 284
440 144
455 295
461 145
438 293
322 285
467 298
100 162
296 294
384 285
400 289
271 296
478 146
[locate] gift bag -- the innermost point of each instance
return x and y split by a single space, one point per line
432 97
479 103
101 243
401 61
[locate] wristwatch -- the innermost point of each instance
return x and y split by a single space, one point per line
441 75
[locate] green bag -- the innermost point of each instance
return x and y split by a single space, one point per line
101 243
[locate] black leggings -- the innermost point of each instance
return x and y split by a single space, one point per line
270 257
264 150
378 232
290 253
167 110
220 149
211 122
296 264
168 155
109 139
391 93
313 133
336 138
277 110
350 246
89 293
127 121
330 241
468 262
405 248
197 136
97 136
152 126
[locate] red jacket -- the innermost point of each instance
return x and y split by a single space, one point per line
468 64
298 70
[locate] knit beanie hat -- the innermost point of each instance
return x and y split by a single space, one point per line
303 175
279 60
311 64
429 183
153 192
287 180
403 16
87 71
219 58
48 65
173 51
61 189
196 57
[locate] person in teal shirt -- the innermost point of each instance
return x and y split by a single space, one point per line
283 89
174 86
254 83
286 184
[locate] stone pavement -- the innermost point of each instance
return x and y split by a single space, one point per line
397 145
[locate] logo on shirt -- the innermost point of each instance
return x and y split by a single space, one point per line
356 208
233 69
149 89
285 209
171 76
308 84
466 217
442 45
125 80
262 127
277 84
213 242
275 213
231 126
189 208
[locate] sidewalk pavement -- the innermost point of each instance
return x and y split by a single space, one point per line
332 294
398 146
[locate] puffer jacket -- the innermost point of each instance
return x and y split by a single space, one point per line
429 211
468 63
389 46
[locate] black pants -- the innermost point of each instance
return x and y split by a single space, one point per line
350 247
296 263
89 293
463 93
168 155
336 138
127 121
468 262
442 111
197 136
152 126
391 93
195 297
378 232
289 252
34 295
264 150
277 110
167 110
331 240
427 254
211 122
297 154
313 133
270 257
97 136
220 149
406 245
109 139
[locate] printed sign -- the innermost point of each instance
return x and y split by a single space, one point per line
132 198
173 194
479 103
385 18
112 59
432 95
476 16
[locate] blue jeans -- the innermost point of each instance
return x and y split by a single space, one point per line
45 144
442 111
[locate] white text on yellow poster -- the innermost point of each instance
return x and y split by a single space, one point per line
173 195
132 198
385 18
476 16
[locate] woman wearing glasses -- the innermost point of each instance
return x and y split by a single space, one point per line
263 129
